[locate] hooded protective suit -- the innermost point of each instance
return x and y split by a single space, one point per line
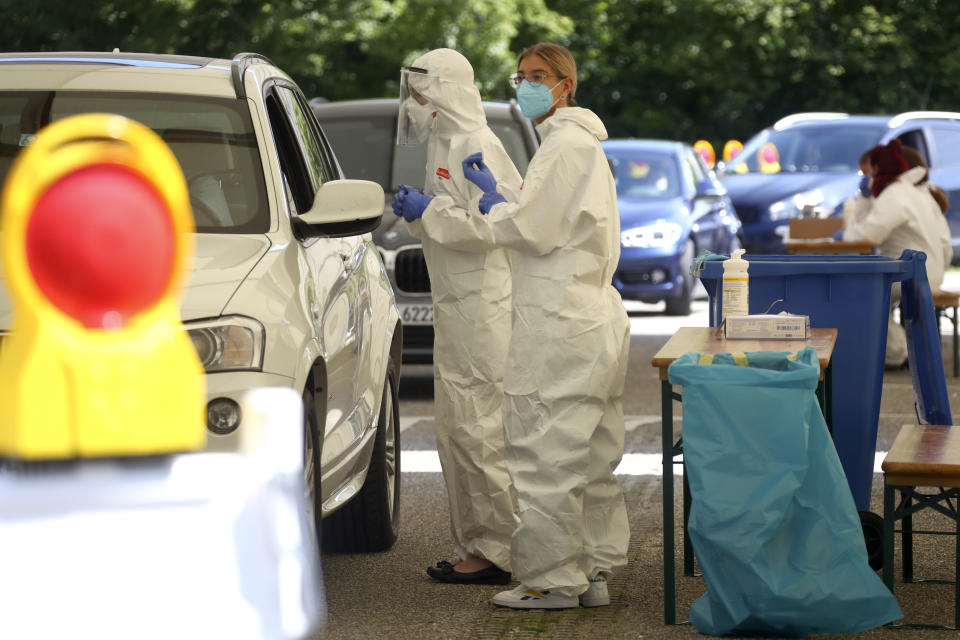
471 301
904 216
563 386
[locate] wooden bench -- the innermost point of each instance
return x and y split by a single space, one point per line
921 456
942 302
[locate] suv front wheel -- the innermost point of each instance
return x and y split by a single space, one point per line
311 462
371 520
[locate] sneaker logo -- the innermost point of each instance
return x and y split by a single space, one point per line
530 594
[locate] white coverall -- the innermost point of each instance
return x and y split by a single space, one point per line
903 216
563 386
471 301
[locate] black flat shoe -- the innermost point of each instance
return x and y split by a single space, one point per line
443 571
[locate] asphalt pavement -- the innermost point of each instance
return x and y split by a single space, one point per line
388 595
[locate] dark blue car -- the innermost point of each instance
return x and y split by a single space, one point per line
672 207
806 164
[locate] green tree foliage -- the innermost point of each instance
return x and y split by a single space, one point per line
689 69
680 69
337 49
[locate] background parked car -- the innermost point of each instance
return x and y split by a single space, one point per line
672 207
363 134
809 161
287 288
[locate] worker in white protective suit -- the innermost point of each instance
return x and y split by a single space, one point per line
900 214
567 360
471 299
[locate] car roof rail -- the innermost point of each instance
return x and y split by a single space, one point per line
794 118
241 62
900 118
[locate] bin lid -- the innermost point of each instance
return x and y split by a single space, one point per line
780 265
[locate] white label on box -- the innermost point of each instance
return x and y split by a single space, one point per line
767 327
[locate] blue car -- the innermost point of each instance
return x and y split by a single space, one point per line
672 207
806 165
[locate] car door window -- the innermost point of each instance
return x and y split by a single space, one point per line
297 182
948 146
306 136
914 138
303 158
693 172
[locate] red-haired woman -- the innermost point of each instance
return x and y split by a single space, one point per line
903 215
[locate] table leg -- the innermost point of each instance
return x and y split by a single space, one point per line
828 395
906 537
666 435
956 571
825 396
688 554
956 347
889 518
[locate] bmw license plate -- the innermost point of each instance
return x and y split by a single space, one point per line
421 314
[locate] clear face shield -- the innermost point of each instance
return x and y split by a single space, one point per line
417 114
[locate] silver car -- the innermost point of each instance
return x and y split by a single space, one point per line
362 133
286 290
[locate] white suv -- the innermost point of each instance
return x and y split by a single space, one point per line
287 288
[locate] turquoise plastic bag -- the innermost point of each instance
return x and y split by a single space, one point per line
772 521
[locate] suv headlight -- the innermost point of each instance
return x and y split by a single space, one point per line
659 234
231 343
795 205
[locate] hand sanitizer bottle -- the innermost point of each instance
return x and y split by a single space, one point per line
735 286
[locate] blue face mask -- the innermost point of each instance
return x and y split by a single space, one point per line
535 100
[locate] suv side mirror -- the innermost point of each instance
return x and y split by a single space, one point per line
709 189
342 208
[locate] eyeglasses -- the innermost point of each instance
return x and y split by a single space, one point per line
536 77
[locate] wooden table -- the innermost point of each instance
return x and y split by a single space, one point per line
710 340
828 246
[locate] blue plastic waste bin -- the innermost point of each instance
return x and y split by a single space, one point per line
849 293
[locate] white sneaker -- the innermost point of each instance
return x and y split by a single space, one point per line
525 598
596 594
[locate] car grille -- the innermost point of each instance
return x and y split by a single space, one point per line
410 272
418 336
634 278
748 215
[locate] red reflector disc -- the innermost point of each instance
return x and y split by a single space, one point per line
100 245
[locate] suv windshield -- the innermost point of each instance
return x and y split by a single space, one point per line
212 139
366 149
834 148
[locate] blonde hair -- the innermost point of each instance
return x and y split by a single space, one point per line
560 61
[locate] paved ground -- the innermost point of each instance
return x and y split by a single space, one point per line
388 595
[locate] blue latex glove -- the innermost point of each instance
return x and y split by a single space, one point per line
398 199
479 173
411 202
488 199
838 236
864 186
